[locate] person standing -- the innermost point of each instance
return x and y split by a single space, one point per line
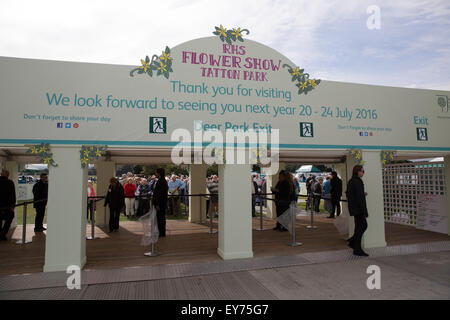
284 194
175 186
327 195
116 200
254 195
40 194
91 202
160 200
129 189
213 188
317 192
144 201
336 194
357 207
7 203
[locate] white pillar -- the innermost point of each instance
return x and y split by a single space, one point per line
447 186
66 212
197 205
373 184
235 212
271 181
13 168
105 171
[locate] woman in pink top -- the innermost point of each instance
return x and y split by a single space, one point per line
129 189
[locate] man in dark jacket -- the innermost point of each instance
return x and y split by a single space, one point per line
336 194
40 194
317 191
116 200
7 203
357 207
160 200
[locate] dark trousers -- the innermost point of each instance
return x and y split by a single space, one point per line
114 216
39 220
7 216
317 203
360 228
90 210
253 206
161 216
335 206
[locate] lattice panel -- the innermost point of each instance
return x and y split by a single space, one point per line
403 182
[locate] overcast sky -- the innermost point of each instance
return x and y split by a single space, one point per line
330 39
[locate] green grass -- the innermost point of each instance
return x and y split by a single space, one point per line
31 214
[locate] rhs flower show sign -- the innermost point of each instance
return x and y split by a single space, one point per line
224 81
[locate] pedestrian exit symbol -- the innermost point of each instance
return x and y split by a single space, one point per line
306 129
422 134
158 125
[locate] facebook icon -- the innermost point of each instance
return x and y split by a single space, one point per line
59 125
68 124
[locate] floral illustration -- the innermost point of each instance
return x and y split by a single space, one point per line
162 65
43 152
357 156
304 83
230 35
90 154
257 154
387 157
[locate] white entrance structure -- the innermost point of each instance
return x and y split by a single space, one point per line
203 85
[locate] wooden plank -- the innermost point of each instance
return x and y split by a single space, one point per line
189 242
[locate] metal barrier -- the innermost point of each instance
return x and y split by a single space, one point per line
91 203
261 228
294 242
312 226
24 226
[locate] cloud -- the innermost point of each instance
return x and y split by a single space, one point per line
328 38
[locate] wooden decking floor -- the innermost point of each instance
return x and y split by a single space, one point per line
188 242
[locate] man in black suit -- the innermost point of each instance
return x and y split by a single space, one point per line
160 200
7 203
40 194
336 194
357 207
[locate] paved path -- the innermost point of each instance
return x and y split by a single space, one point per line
419 271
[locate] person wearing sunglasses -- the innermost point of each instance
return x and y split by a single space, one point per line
357 207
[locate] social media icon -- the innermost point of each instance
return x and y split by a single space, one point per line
366 134
76 125
68 124
59 125
361 134
371 134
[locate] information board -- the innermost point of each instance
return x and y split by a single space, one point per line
432 213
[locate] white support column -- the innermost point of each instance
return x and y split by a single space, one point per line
197 205
373 183
235 212
271 181
13 168
66 213
105 171
447 186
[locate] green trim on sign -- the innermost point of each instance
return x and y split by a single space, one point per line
174 143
